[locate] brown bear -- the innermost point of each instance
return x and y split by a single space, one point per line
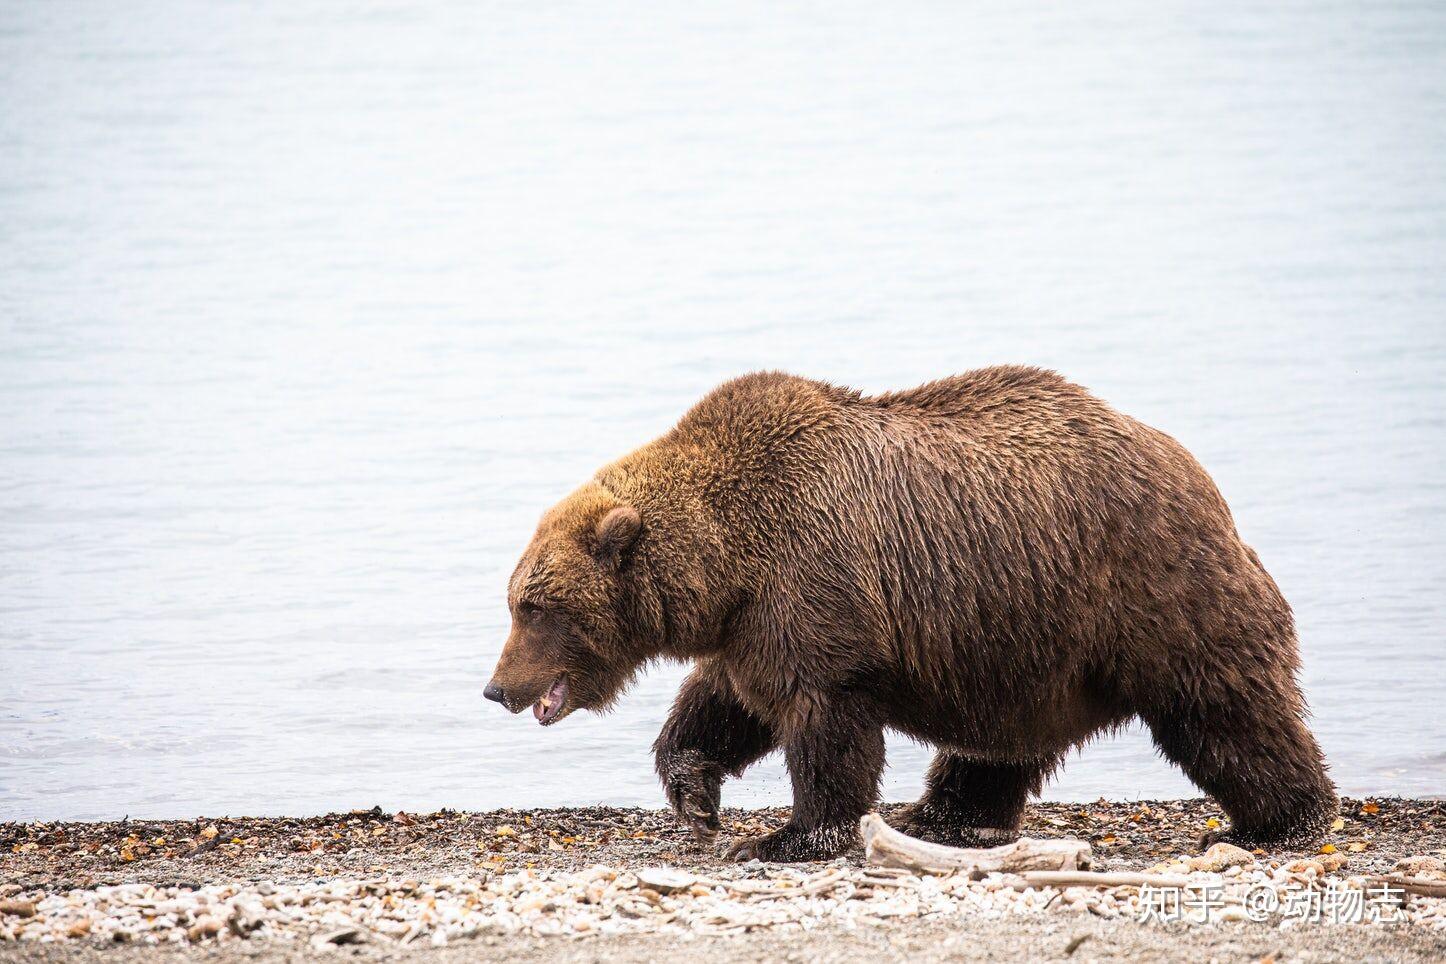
998 564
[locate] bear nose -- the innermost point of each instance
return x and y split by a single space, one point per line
494 693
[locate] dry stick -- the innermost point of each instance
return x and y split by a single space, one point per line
811 885
814 886
904 883
887 846
1412 885
1085 878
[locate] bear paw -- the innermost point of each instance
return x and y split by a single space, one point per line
1301 829
693 786
936 826
1259 840
790 844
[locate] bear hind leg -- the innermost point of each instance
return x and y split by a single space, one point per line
972 802
1258 759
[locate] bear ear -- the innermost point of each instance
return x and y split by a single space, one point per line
616 533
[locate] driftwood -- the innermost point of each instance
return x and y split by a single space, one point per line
1085 878
888 847
1412 885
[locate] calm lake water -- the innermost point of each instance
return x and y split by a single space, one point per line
307 313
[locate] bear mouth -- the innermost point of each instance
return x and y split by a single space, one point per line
548 708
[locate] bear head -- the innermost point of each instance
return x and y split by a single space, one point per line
574 643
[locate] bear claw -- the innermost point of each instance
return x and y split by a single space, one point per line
693 787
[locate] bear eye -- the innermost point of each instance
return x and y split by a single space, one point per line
528 610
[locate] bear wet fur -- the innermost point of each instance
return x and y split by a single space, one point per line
998 564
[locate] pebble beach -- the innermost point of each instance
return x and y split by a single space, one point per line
613 883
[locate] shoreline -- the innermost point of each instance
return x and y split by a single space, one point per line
546 864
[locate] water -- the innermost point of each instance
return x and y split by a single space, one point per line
307 314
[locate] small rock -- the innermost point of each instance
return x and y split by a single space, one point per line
633 909
204 927
665 880
1170 867
1307 867
530 903
339 937
246 916
1418 866
78 928
1220 856
17 908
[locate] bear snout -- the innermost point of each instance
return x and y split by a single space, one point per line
513 696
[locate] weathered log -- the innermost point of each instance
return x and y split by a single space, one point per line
887 847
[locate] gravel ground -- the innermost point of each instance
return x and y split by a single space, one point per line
1025 939
577 869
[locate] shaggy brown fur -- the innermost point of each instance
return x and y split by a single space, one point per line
997 563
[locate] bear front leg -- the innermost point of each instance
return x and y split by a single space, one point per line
835 764
708 736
